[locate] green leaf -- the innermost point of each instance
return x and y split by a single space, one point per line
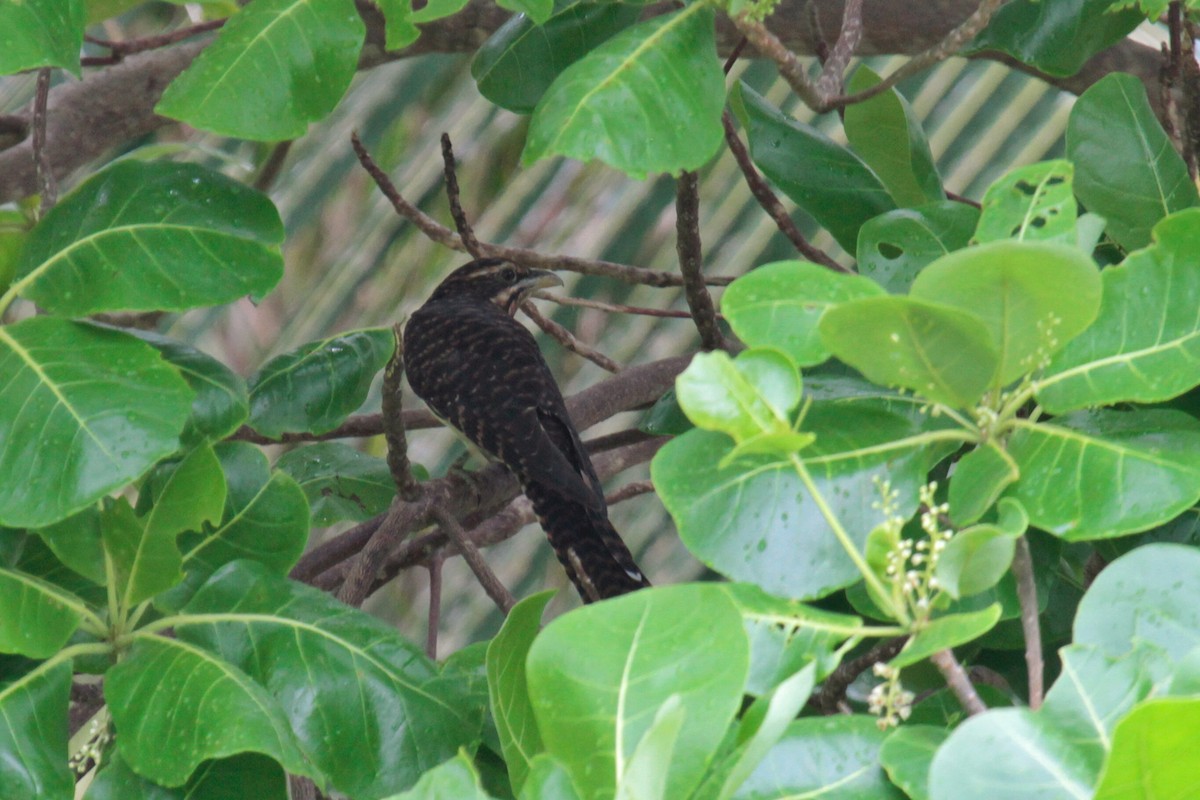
644 776
33 733
665 417
248 776
1035 202
152 236
341 483
162 685
548 780
455 779
36 618
437 9
975 560
221 403
1091 694
946 632
83 410
1153 752
41 33
1126 169
907 753
372 717
276 66
1145 344
1009 754
316 386
595 696
398 28
519 62
894 247
511 706
979 479
75 541
1093 475
1034 297
778 305
886 133
1150 595
621 103
752 395
754 520
939 352
825 179
537 10
833 758
1055 37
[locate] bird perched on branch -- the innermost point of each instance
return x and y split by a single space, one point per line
481 371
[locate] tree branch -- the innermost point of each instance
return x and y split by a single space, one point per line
958 682
1022 567
691 261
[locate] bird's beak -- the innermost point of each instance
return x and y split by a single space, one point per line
539 279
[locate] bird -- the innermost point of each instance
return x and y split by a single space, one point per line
481 371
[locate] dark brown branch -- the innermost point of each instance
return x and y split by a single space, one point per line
769 202
47 184
833 690
130 46
687 245
465 232
958 682
393 422
568 340
615 308
833 69
475 560
435 606
1022 567
629 490
272 166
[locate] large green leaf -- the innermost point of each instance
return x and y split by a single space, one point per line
1126 168
1034 297
1009 754
622 102
276 66
36 618
1153 752
33 733
1145 343
1035 202
825 179
316 386
598 676
341 483
221 403
83 410
519 62
369 710
248 776
942 353
177 705
893 247
833 758
511 706
906 755
152 236
41 33
455 779
76 542
886 133
1056 37
1092 475
778 305
1150 595
754 520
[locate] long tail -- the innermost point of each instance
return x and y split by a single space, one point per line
589 548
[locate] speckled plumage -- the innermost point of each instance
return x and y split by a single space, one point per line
481 371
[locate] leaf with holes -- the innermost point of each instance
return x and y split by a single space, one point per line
894 247
1031 203
83 410
144 236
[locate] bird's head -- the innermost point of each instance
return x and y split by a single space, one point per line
497 281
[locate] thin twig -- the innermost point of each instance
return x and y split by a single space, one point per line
568 340
966 201
444 236
465 232
687 245
130 46
393 422
615 308
435 606
769 202
833 690
45 173
832 77
632 489
272 166
1022 566
475 560
958 682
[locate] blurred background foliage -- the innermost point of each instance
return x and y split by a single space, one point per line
352 262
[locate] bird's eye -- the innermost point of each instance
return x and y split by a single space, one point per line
508 275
